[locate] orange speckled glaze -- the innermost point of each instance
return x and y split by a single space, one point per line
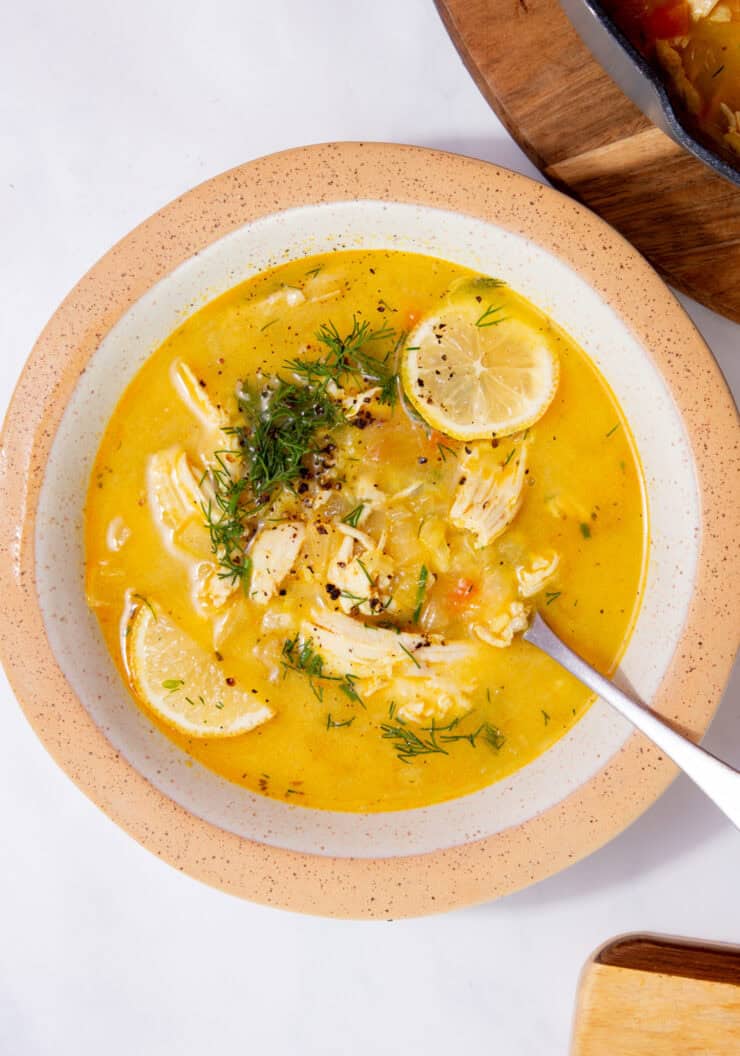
476 871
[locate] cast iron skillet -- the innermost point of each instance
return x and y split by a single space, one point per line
639 80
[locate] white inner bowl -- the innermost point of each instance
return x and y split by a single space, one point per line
553 286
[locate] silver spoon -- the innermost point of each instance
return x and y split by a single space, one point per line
717 779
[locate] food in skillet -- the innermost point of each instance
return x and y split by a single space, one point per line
696 43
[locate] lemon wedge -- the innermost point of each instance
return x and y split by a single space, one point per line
474 374
184 684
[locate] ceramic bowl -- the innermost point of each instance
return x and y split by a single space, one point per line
576 796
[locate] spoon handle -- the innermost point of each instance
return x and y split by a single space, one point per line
718 780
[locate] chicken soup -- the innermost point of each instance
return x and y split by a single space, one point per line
324 510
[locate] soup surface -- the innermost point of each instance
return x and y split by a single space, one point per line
311 544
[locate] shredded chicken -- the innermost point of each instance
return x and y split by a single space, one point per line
432 535
488 493
533 577
367 404
431 699
359 536
175 495
360 577
177 500
564 506
501 629
193 394
273 554
351 647
117 534
210 589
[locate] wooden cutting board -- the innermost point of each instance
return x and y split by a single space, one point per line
590 141
651 996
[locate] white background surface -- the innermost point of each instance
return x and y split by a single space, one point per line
107 111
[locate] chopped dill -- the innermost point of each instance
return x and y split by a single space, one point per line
450 450
367 575
355 598
332 724
613 430
486 282
487 318
420 592
267 325
173 684
545 716
551 596
313 272
353 517
585 530
409 654
347 686
408 744
492 736
145 601
201 701
509 457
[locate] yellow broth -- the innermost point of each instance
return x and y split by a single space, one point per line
583 500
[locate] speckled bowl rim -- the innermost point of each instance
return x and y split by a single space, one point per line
380 887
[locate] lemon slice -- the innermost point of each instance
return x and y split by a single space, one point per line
184 684
473 374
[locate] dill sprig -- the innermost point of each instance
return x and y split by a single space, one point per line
332 724
408 744
347 357
486 318
491 734
298 654
421 589
347 686
227 521
282 427
430 740
450 451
